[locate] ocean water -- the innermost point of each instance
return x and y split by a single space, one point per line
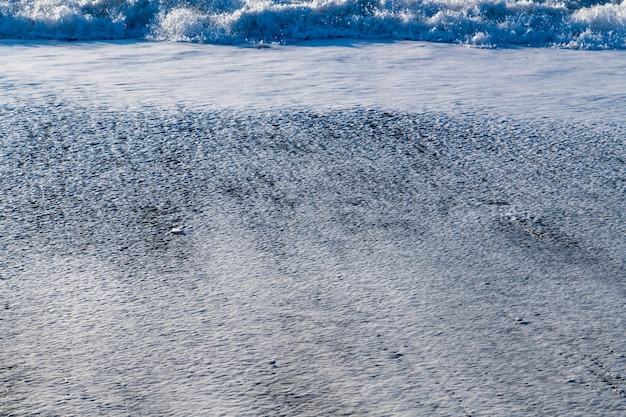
262 219
586 24
348 262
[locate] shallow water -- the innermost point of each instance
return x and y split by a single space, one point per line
526 84
330 262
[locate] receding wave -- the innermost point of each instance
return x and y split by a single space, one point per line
591 24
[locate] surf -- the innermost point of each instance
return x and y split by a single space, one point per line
589 24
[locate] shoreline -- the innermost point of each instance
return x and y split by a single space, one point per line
524 83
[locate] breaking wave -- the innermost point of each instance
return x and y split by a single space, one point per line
585 24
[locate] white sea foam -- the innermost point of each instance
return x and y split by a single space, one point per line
587 24
526 83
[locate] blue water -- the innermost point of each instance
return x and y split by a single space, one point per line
584 24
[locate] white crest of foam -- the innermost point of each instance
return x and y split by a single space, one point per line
578 24
181 24
603 17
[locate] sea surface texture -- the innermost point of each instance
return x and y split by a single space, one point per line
312 263
594 24
266 220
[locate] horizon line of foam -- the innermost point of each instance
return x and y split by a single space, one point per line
582 24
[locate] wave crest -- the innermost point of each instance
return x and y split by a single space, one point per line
576 24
